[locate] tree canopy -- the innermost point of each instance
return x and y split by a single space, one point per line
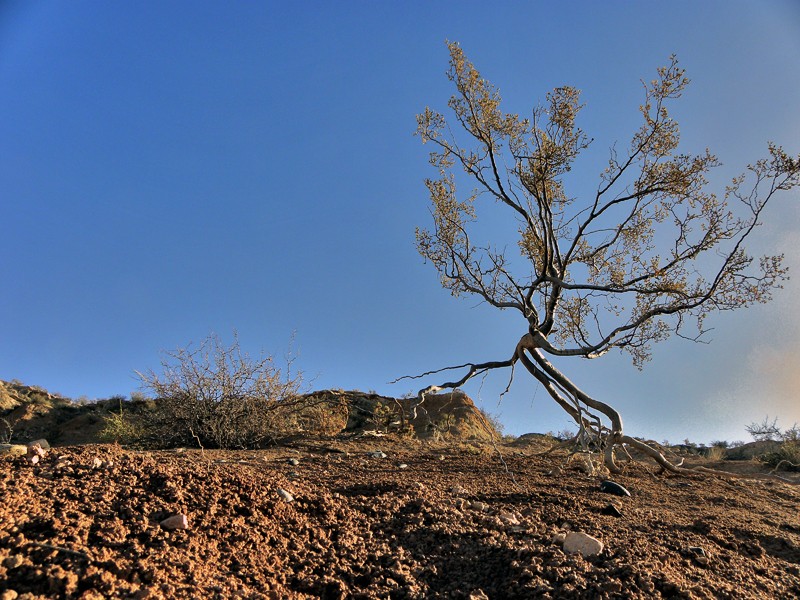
651 252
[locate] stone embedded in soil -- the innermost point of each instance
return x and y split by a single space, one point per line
698 554
611 510
179 521
508 518
285 495
378 454
35 453
9 595
587 545
293 461
42 443
612 487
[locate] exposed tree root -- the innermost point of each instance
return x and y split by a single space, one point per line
584 410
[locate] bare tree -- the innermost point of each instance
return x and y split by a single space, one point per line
648 254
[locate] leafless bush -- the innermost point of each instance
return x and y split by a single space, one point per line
220 397
764 431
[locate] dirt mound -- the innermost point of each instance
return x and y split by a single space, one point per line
425 521
441 416
29 413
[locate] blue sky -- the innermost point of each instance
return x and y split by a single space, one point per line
172 169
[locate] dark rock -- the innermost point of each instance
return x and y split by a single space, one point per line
610 487
611 510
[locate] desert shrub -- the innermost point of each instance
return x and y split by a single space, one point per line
382 416
219 397
715 452
792 434
494 422
786 457
122 428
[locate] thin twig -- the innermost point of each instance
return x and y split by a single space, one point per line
60 549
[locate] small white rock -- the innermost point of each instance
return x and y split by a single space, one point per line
402 466
285 495
581 542
508 517
180 521
34 453
478 505
42 443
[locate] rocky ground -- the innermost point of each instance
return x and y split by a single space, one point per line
375 518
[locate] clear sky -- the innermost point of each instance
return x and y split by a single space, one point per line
172 169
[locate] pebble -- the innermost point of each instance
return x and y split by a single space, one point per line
377 454
508 517
286 496
293 461
478 505
611 487
402 466
699 555
587 545
611 510
9 595
180 521
42 443
35 453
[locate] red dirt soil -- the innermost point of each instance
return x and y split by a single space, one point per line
365 527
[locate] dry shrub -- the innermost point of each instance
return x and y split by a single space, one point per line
786 457
716 453
219 397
